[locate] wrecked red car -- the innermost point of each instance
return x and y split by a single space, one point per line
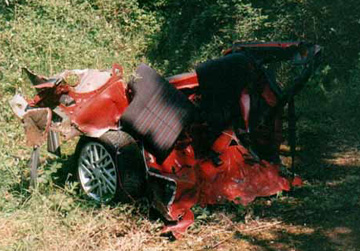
205 137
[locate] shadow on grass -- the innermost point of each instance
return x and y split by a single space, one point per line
324 214
326 210
188 28
66 176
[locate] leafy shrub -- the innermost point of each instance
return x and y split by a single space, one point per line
49 36
198 30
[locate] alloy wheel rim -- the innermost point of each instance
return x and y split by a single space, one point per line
97 172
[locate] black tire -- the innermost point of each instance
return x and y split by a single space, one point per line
129 163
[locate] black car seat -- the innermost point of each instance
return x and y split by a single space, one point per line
157 113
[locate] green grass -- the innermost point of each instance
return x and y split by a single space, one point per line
50 36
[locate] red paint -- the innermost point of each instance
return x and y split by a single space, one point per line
100 109
93 113
200 182
269 95
281 45
185 80
239 178
297 182
245 106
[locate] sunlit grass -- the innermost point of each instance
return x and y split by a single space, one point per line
49 36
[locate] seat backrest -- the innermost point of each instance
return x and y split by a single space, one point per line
158 112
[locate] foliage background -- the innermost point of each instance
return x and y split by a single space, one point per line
49 36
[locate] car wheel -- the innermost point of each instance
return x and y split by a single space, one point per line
111 168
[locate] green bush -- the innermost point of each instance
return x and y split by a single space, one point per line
199 30
49 36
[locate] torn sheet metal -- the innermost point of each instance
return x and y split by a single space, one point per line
87 102
19 105
33 164
37 123
53 143
239 179
91 105
91 102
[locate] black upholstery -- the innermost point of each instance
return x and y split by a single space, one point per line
221 82
158 112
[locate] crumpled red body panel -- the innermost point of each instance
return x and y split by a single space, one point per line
238 179
92 106
96 113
